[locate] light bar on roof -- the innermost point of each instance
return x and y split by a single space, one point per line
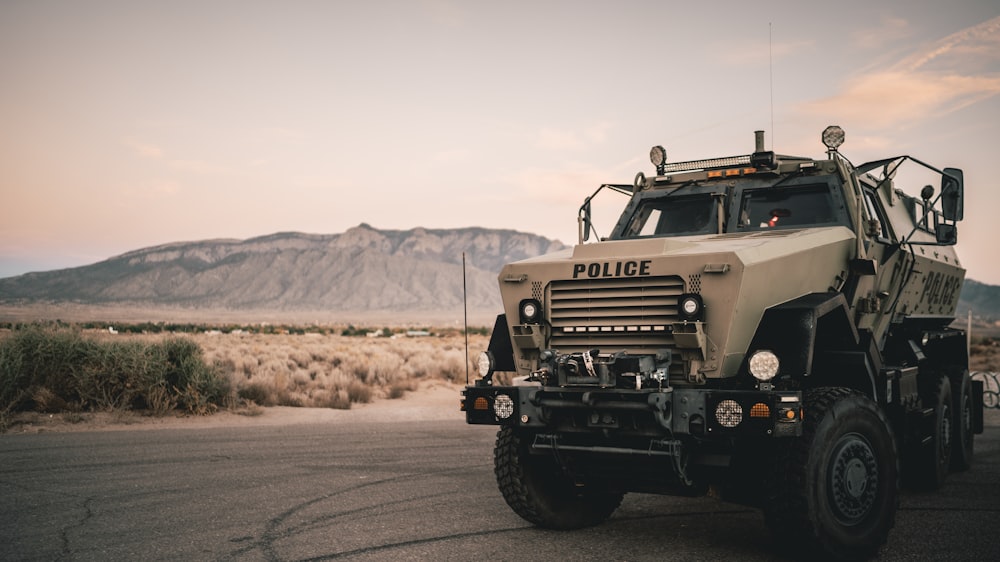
711 163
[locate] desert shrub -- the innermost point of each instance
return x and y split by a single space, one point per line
359 392
453 365
100 383
399 388
36 356
335 399
384 367
258 393
51 368
422 365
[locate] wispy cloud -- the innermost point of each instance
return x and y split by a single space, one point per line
201 167
196 166
889 30
555 139
950 74
155 188
760 53
980 41
144 149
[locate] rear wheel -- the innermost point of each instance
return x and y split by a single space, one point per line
538 490
928 462
835 490
962 434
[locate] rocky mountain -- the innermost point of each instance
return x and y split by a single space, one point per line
362 269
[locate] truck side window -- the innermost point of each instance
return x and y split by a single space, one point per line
875 213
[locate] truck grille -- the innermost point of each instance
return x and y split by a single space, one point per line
619 314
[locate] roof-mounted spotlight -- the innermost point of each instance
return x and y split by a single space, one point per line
658 156
833 137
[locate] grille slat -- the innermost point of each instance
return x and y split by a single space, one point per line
630 314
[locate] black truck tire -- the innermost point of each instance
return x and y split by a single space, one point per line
835 490
927 463
963 431
537 489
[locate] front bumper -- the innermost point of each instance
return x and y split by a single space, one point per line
669 412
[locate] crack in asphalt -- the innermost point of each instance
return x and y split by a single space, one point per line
88 513
273 531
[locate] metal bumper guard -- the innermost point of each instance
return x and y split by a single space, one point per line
702 413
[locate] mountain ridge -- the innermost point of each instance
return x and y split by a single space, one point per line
405 273
362 268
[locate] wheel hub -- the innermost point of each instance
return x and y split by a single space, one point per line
853 479
945 433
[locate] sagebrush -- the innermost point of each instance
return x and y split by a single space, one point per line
55 367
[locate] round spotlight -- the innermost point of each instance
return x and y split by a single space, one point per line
658 156
485 364
764 365
690 307
729 413
530 311
833 137
503 406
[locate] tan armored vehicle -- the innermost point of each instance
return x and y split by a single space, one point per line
774 328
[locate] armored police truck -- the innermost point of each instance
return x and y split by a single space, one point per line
774 329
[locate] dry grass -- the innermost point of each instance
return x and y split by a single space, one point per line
329 371
985 355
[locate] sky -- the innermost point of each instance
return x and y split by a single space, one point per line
128 124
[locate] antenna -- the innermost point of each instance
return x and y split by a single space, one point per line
465 306
770 76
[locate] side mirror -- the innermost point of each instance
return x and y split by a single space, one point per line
585 222
951 194
946 234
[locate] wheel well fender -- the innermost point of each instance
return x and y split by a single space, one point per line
817 343
500 345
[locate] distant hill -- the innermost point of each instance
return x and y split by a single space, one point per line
363 269
982 299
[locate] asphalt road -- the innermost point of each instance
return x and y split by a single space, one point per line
400 491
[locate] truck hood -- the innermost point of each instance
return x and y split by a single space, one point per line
749 247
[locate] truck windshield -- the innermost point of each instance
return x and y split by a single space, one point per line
674 216
810 205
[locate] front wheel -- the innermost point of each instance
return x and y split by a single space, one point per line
835 490
539 490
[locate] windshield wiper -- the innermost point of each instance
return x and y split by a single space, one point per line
793 175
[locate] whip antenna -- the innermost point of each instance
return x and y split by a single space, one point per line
770 76
465 306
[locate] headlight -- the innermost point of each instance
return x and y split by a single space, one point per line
764 365
503 406
485 363
690 307
729 413
530 311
